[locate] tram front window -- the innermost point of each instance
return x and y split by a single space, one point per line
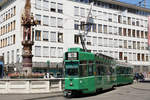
72 71
71 68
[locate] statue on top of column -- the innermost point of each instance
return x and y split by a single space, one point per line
27 21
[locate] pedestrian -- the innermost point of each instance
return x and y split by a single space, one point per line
136 77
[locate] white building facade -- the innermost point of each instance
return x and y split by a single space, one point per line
118 30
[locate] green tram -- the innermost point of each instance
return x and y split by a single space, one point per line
86 72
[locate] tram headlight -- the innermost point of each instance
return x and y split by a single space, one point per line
71 84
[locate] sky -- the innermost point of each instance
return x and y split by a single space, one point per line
136 2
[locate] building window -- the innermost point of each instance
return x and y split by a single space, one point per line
88 40
147 57
110 17
110 42
12 56
53 21
38 18
120 43
129 20
129 44
82 12
45 5
14 11
142 34
82 27
115 18
45 20
94 27
0 43
53 6
105 42
138 45
45 51
130 56
115 31
110 29
146 34
8 57
125 56
76 25
53 37
124 32
17 56
60 23
134 57
120 55
124 19
119 18
100 41
99 28
115 43
14 39
60 8
143 57
137 22
94 13
138 33
76 11
53 52
133 33
142 45
100 15
94 41
105 29
45 35
138 56
38 35
38 4
125 44
134 44
60 37
133 21
13 25
76 39
38 51
9 27
129 32
60 52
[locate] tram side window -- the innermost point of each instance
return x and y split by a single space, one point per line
112 70
90 70
101 70
83 69
119 70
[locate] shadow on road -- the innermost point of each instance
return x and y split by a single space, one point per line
44 97
92 94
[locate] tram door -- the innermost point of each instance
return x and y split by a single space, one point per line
1 71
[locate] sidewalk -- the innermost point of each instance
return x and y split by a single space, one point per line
145 85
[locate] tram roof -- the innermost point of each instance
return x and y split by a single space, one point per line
104 56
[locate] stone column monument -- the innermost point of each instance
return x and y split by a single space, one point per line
27 22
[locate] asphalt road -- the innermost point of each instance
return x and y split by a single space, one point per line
120 93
